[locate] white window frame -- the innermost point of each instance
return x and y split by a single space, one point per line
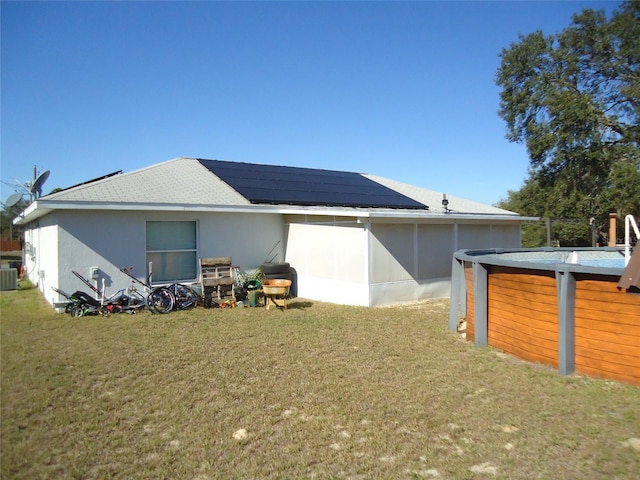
171 260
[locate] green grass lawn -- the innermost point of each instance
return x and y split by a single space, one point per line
317 391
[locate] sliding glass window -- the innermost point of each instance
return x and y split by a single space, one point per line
171 249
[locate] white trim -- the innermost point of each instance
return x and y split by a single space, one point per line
40 208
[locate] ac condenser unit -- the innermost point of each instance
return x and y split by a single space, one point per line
8 279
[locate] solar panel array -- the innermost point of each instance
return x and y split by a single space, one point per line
274 184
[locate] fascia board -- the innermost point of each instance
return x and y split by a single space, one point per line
34 211
376 217
40 208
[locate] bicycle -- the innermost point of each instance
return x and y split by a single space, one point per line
125 300
158 299
184 297
166 298
80 304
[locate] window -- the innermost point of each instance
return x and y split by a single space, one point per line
171 249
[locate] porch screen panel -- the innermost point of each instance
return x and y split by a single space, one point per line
435 251
171 247
474 236
506 236
393 252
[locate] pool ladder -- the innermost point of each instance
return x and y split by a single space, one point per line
629 222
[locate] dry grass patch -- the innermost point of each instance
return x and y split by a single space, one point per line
317 391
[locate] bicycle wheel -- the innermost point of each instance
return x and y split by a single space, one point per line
76 311
160 300
185 297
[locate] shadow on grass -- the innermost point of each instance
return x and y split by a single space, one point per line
299 304
25 284
292 304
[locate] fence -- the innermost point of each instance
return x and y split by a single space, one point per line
10 246
560 232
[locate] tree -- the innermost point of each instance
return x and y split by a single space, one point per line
574 100
7 215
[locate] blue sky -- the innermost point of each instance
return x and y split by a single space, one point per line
404 90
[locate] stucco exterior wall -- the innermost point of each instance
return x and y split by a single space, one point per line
41 255
336 259
114 240
330 260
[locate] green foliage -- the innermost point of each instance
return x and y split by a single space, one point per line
574 100
534 235
7 215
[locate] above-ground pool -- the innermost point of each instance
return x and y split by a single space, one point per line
561 307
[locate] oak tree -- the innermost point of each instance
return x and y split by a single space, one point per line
573 99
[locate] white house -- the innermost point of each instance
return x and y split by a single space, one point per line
351 238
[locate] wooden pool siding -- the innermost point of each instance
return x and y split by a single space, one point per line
523 314
586 326
607 330
468 278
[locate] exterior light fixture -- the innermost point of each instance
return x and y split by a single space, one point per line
445 203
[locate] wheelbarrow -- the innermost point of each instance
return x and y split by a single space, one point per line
276 292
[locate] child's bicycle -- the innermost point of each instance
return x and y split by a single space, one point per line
79 304
125 300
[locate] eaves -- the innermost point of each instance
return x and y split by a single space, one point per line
40 208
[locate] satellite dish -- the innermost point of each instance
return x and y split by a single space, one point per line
13 199
36 186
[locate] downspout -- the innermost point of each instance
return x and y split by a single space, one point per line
415 251
39 272
455 236
367 264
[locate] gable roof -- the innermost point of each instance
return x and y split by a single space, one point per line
214 185
178 181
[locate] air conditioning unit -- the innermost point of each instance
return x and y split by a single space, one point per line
8 279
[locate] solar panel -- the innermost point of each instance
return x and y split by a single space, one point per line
274 184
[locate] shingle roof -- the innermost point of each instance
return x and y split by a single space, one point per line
434 199
186 181
178 181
